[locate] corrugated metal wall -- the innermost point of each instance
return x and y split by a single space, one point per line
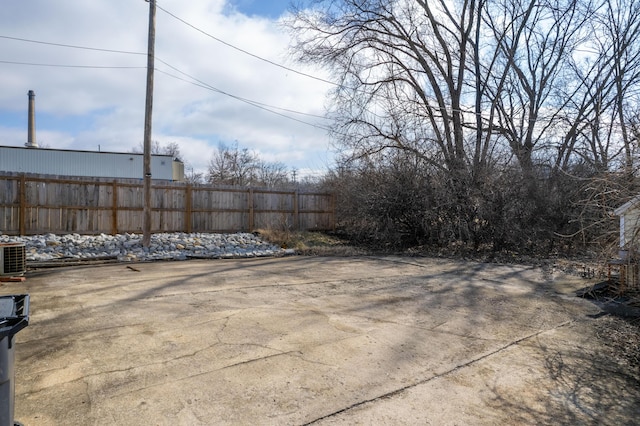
85 163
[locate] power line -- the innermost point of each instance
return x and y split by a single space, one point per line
205 85
201 84
246 52
198 83
71 46
210 87
247 101
259 57
144 54
34 64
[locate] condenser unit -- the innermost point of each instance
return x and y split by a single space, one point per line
12 259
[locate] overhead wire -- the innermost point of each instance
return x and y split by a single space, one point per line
70 66
463 111
246 52
72 46
255 104
230 45
195 82
208 86
200 83
183 21
247 101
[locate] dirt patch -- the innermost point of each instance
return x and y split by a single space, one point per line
312 243
621 337
618 327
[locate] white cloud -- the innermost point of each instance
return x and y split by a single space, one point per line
108 104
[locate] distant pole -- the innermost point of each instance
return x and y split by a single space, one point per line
146 222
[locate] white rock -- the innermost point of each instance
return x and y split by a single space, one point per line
128 247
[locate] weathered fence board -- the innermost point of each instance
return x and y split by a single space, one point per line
36 205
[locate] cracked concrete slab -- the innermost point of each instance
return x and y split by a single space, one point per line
302 340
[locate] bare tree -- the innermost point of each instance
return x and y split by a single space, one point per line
231 166
172 149
622 27
403 68
493 105
537 41
271 174
191 176
409 81
602 96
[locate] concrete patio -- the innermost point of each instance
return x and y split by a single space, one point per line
301 340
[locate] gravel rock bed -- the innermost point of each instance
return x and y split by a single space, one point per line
128 247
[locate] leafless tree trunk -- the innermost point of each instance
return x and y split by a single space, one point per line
403 68
536 41
597 103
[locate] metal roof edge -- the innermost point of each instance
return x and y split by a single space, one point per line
87 151
626 206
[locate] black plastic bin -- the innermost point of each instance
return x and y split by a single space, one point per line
14 316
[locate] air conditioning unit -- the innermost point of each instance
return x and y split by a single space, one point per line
12 259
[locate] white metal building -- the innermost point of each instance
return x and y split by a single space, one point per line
87 163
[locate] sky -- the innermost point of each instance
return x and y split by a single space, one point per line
88 99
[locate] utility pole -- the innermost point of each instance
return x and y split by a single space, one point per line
146 220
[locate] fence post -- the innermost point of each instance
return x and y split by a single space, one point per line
23 205
114 208
296 211
250 202
187 218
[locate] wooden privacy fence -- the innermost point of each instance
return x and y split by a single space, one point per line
38 205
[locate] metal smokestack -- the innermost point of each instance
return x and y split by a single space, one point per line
31 135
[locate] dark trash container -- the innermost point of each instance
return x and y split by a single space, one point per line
14 316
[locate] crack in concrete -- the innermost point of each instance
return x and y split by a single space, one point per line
219 342
437 376
283 285
252 287
419 327
84 332
250 361
128 369
204 373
